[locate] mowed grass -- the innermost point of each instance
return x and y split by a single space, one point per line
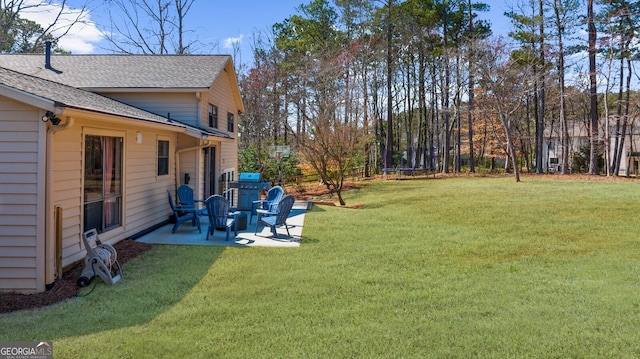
436 268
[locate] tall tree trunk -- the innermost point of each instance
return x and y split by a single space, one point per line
561 89
365 121
625 120
540 119
435 120
422 109
458 119
615 167
408 124
511 149
593 157
389 140
472 167
445 94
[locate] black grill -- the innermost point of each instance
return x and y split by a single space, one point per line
249 185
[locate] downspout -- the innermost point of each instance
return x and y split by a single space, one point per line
50 238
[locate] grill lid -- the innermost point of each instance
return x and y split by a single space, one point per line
249 177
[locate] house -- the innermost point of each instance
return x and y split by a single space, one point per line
552 144
579 142
629 143
95 141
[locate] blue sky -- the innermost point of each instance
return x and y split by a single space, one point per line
217 23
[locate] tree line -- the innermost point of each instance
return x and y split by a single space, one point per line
379 86
428 86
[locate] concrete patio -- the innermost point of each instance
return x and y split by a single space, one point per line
188 235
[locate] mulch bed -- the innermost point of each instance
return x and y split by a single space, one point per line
66 287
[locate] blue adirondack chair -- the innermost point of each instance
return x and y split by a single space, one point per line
277 218
183 214
187 199
220 217
270 203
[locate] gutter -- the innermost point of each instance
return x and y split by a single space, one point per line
29 98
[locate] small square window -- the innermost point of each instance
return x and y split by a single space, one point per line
230 122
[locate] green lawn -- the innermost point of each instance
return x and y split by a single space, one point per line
437 268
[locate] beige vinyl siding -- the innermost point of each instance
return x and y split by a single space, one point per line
27 207
66 182
228 160
181 106
192 162
189 160
21 198
66 186
221 95
144 193
229 152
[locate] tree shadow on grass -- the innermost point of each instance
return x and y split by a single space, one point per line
152 283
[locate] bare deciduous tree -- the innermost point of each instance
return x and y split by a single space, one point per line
501 77
148 26
18 34
332 146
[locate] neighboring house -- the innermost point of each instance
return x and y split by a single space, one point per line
630 156
552 144
120 131
579 140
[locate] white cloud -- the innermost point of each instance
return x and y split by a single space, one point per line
81 37
229 42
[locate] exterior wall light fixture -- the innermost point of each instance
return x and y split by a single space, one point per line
50 116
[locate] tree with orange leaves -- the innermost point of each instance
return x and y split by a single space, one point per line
506 85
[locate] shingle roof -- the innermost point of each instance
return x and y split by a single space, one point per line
122 71
67 96
71 97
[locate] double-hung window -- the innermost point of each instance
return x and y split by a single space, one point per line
163 157
230 122
213 116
